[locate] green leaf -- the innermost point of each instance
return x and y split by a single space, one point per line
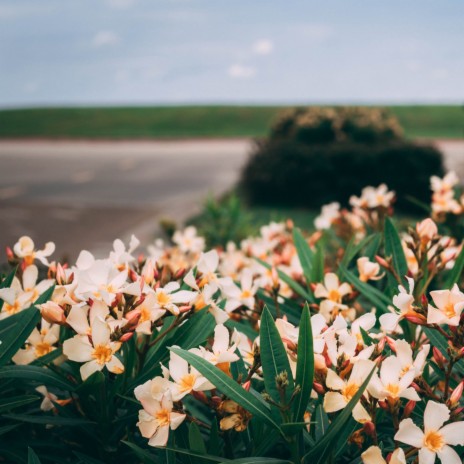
353 248
376 297
201 457
228 386
318 267
145 456
196 442
305 254
32 458
258 460
439 341
6 404
15 330
322 422
214 446
304 365
295 286
394 249
455 274
83 458
36 374
53 420
6 283
324 447
367 339
373 247
274 358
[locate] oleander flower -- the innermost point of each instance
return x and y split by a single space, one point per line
25 248
332 293
373 455
156 418
345 389
96 351
368 270
188 241
435 439
449 306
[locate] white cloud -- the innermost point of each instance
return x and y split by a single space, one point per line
239 71
263 47
120 4
104 38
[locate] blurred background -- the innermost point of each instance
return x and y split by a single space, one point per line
126 116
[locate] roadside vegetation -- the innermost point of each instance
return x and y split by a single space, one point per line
434 121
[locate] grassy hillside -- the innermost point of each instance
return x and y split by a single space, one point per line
195 121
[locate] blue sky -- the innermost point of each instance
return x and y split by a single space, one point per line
55 52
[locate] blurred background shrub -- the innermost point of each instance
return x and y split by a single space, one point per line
317 155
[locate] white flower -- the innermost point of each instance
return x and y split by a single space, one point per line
404 302
120 256
245 295
96 354
373 455
156 418
188 241
404 355
373 197
332 293
25 248
207 266
185 379
39 343
450 304
329 213
344 390
168 297
392 384
368 270
436 438
81 317
221 353
153 389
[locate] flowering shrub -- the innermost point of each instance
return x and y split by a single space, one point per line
345 345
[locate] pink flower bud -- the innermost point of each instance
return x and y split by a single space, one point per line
457 393
426 230
52 313
126 337
409 408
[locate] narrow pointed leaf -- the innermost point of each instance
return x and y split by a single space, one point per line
305 254
37 375
394 249
274 358
7 404
304 365
376 297
32 458
456 271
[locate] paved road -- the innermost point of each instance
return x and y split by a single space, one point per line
85 194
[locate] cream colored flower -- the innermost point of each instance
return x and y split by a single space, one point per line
24 248
156 418
373 455
345 389
332 293
450 304
436 438
96 351
368 270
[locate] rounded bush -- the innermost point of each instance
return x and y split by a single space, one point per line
289 172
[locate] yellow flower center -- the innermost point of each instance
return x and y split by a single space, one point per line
102 354
393 389
144 314
187 382
163 417
163 298
246 294
334 295
434 441
41 349
350 390
200 303
12 309
449 310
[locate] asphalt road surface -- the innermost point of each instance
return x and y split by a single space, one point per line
83 195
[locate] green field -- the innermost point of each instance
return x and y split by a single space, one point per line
195 121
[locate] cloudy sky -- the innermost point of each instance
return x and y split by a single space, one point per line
56 52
